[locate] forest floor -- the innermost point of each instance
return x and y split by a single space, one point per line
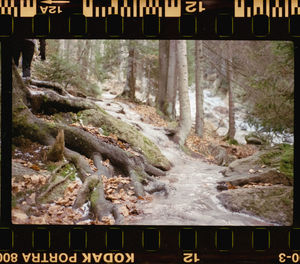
191 182
193 178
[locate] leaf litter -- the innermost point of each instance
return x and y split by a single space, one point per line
117 189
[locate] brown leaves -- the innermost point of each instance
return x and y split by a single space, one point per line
255 185
59 212
111 186
108 220
201 146
106 163
149 115
35 167
119 191
29 153
18 216
121 145
124 210
230 186
29 182
70 194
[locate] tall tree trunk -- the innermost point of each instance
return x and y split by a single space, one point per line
199 87
163 73
231 130
42 49
67 48
148 86
171 89
79 50
175 89
130 86
185 122
56 49
85 58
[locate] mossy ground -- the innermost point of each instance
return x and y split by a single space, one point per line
127 133
280 157
232 142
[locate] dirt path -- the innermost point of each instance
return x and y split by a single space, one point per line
191 181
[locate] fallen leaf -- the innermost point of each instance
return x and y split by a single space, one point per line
251 171
124 211
18 216
35 167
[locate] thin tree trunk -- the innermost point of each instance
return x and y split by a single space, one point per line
148 87
175 89
171 91
79 50
231 130
185 122
199 88
85 58
163 72
130 86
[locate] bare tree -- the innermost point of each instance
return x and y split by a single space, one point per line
169 105
163 73
229 65
185 122
85 58
199 87
130 86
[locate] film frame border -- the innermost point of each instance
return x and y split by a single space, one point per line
205 244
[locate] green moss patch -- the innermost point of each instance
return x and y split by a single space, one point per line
280 157
127 133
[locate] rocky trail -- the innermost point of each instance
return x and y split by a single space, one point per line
191 182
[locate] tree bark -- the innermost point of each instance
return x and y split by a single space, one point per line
231 130
185 121
163 72
169 109
85 59
130 87
199 128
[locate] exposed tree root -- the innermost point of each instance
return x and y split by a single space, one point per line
54 86
78 145
93 190
49 102
82 166
52 186
59 167
102 170
56 152
85 191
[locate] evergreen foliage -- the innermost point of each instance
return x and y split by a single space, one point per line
270 98
64 69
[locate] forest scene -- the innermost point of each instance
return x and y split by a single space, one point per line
154 132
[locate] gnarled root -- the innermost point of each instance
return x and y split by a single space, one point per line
92 189
80 144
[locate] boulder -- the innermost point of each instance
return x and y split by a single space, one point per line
256 138
252 169
272 203
253 141
220 155
221 109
